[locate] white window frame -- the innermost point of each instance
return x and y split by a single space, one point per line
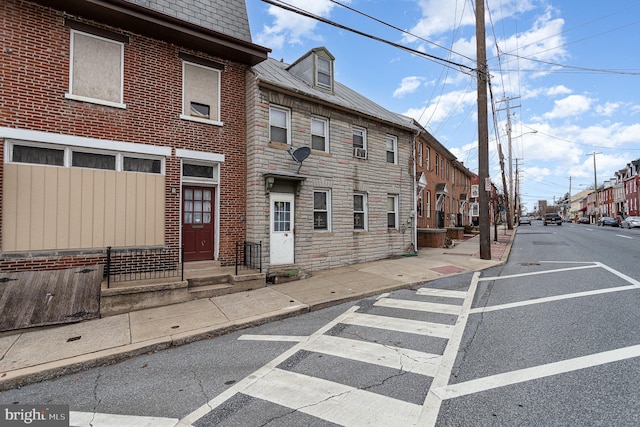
420 157
217 73
325 124
329 74
428 204
359 131
287 113
69 150
365 212
427 158
395 213
327 194
394 148
74 96
475 209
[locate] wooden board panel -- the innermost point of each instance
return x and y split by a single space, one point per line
40 298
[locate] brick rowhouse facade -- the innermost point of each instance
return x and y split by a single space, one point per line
35 77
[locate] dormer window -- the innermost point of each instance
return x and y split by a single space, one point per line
323 73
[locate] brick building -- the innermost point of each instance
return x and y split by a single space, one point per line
122 126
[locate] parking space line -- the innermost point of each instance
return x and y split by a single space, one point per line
515 377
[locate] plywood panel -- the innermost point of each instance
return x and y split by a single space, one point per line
63 222
98 220
75 208
35 210
50 217
130 212
110 210
139 206
120 203
86 233
9 207
23 207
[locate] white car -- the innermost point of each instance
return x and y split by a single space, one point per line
524 220
630 222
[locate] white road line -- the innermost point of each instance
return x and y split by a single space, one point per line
622 235
535 273
419 306
401 325
261 372
278 338
552 299
537 372
431 406
94 419
441 293
403 359
333 402
619 274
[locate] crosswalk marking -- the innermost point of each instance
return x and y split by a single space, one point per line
442 293
401 325
377 354
331 401
95 419
419 306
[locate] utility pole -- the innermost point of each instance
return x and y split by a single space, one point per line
570 201
595 185
511 207
484 184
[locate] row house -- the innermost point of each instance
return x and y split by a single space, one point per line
474 203
123 124
330 173
630 181
444 185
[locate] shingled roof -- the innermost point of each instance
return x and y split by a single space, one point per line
274 72
224 16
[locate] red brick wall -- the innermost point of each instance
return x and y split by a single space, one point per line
34 77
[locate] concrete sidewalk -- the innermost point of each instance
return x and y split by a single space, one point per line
32 356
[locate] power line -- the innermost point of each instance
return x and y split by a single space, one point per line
442 61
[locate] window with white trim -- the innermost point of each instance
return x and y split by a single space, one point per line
475 209
474 191
428 203
320 134
437 164
419 149
360 211
392 149
322 210
77 157
200 93
324 77
427 158
279 125
359 142
392 211
96 69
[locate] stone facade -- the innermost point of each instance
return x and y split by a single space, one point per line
335 171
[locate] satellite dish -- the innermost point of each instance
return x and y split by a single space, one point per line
299 155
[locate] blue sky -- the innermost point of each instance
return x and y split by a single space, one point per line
570 70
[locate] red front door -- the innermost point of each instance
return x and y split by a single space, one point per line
197 223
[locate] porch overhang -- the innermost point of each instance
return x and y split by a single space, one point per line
271 178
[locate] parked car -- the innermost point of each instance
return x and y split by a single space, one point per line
524 220
630 222
583 220
607 220
552 218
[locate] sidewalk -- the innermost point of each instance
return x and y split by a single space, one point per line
37 355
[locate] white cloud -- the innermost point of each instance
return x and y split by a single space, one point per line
558 90
572 105
607 109
291 28
408 85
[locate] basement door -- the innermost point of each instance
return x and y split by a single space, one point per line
282 225
197 223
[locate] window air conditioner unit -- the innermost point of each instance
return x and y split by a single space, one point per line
360 153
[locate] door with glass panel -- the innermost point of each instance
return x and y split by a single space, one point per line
281 248
197 223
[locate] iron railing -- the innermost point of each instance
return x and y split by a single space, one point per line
248 256
129 264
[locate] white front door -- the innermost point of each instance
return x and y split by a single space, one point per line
281 219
